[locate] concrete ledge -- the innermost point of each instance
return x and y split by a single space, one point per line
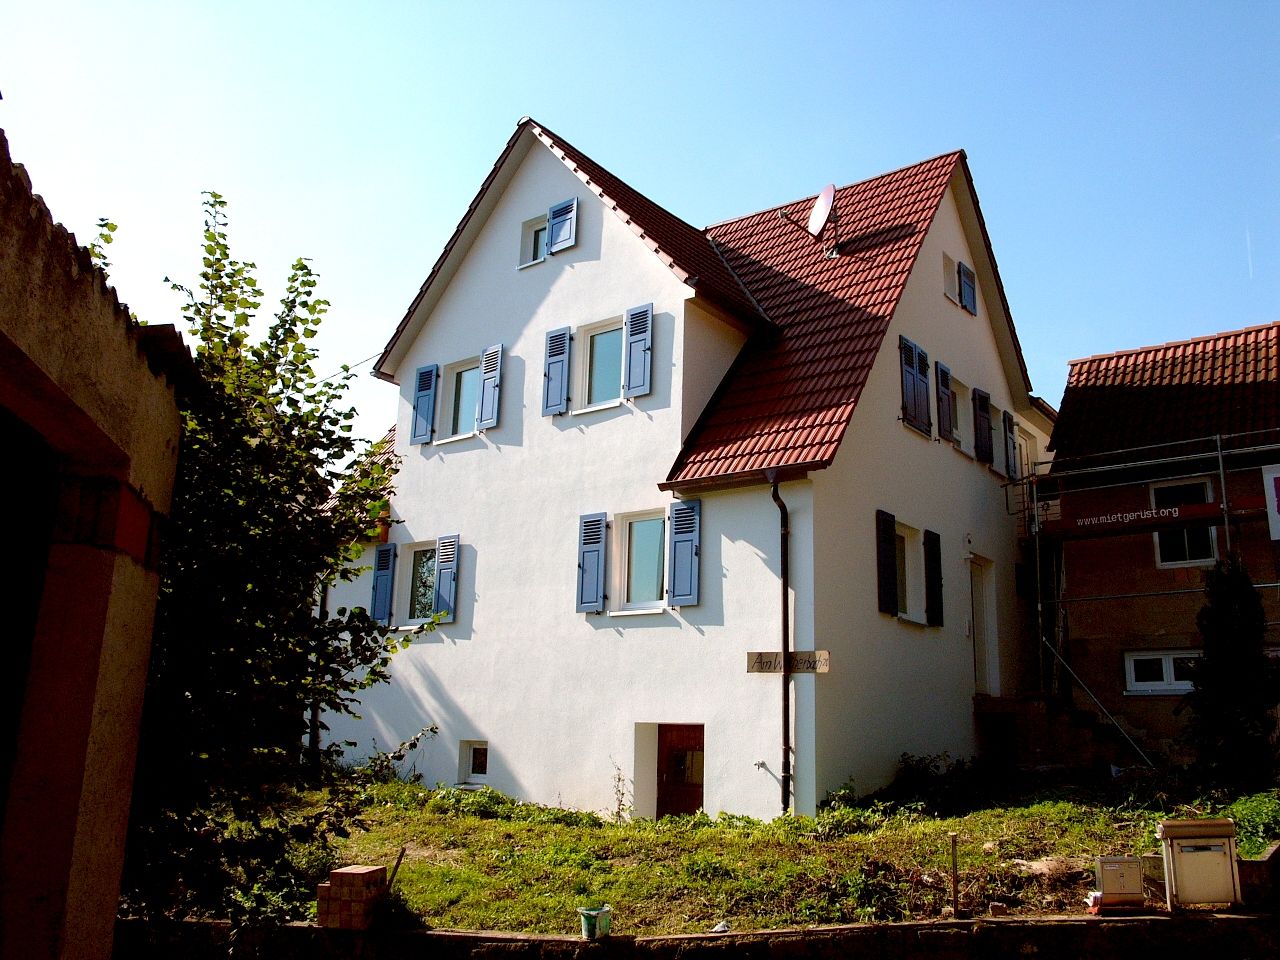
1050 938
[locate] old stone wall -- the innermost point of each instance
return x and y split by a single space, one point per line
1221 936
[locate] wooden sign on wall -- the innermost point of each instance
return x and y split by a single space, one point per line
801 661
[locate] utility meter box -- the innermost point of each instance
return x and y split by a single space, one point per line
1119 882
1199 861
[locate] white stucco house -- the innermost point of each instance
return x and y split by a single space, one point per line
635 453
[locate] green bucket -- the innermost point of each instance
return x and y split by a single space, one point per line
595 921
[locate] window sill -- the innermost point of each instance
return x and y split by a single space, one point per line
638 613
1187 564
1158 693
470 785
926 432
607 405
531 263
912 621
458 436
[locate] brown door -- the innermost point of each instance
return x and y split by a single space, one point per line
679 768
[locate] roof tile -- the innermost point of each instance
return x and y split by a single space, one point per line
1219 384
794 394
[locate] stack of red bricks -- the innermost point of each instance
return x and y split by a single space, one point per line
346 901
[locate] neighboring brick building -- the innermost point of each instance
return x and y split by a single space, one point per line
1145 444
89 427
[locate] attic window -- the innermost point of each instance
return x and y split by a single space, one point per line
533 241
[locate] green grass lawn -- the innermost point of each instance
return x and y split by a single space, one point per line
478 860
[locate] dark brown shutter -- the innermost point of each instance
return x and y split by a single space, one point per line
887 562
932 579
983 448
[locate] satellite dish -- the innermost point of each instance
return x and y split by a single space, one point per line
821 211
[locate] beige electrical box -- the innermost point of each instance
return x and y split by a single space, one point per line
1119 882
1199 861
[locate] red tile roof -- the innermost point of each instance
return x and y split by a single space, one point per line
787 400
818 322
1223 383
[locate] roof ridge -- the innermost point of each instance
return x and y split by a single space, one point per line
644 196
855 183
1151 348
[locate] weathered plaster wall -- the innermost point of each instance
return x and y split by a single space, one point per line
80 375
565 700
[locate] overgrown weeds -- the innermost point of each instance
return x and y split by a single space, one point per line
480 860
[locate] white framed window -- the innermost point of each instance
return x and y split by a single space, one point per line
600 364
640 562
533 241
426 577
473 761
909 561
461 383
908 571
1028 453
963 412
420 582
640 546
950 279
1192 546
1159 671
459 401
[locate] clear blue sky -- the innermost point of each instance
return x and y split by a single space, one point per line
1127 155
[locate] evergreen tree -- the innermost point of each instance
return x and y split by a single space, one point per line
1232 727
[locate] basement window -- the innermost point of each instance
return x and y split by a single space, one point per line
1159 671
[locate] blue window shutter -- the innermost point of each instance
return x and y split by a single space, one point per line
907 353
490 382
593 529
932 579
983 445
384 573
923 420
562 226
946 398
637 361
968 288
446 600
424 404
887 562
685 538
555 373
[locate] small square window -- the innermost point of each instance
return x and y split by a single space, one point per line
473 761
1183 546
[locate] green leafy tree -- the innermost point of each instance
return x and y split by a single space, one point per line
269 503
1232 727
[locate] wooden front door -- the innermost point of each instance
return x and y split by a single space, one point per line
679 768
